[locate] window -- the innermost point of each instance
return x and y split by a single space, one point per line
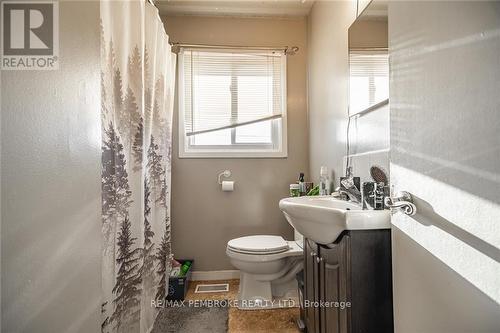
232 103
369 79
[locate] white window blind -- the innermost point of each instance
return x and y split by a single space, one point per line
369 78
225 89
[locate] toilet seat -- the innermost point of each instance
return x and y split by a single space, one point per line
292 250
258 244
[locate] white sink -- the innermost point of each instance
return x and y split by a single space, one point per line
323 218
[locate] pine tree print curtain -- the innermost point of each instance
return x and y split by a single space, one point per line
137 85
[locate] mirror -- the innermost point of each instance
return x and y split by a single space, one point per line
369 59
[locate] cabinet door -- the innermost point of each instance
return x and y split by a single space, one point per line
311 291
334 286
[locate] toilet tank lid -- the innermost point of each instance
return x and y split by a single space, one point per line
259 243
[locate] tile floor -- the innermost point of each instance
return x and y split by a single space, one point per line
240 321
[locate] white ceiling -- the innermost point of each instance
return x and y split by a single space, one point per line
235 7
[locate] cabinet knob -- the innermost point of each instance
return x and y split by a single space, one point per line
319 259
313 254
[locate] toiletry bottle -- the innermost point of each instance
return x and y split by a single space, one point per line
302 188
175 272
294 190
185 268
324 183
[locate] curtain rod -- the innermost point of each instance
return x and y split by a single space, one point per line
289 50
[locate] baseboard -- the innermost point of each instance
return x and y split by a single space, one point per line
215 275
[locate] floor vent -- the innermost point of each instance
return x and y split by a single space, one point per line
212 288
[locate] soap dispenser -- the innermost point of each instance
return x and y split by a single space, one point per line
324 182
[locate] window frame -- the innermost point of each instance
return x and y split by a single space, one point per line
277 149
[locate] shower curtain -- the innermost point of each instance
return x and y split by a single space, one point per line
137 85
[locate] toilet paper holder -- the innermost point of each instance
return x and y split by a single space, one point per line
225 174
227 186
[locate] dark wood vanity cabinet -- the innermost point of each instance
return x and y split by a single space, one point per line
356 268
334 285
311 286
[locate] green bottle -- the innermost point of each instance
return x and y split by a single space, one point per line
185 268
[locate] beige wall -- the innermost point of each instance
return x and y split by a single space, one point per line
368 33
204 218
445 150
50 183
328 75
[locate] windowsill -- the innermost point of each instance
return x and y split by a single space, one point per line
233 154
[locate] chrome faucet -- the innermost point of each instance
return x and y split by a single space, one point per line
349 189
351 194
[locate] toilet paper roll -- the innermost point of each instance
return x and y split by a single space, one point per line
227 186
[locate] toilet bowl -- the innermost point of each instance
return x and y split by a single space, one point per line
268 265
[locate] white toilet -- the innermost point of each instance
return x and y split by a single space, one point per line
268 265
